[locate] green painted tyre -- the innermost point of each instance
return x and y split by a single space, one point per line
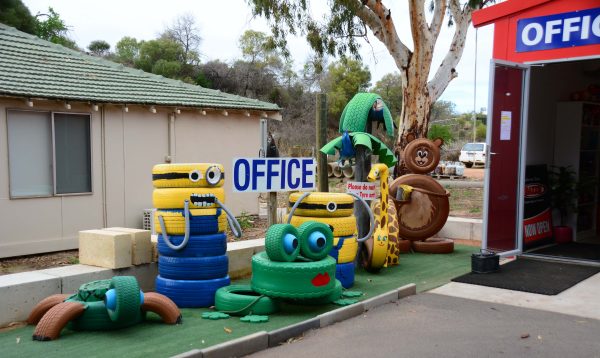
95 317
334 295
299 279
241 300
282 243
316 240
128 302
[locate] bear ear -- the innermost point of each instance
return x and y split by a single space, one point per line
438 142
410 137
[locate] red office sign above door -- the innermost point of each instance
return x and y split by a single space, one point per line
569 29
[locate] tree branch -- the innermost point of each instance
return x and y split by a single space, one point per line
418 22
447 70
438 19
379 20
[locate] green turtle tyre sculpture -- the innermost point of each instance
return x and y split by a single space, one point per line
98 306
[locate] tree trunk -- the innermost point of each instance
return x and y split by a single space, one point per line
414 119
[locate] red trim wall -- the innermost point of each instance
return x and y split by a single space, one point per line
505 30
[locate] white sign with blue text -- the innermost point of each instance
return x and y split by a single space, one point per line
263 175
577 28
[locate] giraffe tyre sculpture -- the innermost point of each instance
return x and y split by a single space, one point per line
375 249
100 305
394 242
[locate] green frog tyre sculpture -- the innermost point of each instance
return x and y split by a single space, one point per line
100 305
241 300
282 243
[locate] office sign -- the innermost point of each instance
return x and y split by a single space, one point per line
263 175
569 29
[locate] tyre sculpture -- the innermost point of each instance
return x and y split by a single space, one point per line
422 203
334 210
98 306
191 220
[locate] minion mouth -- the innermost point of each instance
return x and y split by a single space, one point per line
202 200
321 279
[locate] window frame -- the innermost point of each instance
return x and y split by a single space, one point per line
53 163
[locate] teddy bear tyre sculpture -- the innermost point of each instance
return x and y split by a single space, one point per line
98 306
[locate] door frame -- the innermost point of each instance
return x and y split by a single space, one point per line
522 156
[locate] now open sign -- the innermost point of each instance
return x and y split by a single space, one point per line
577 28
263 175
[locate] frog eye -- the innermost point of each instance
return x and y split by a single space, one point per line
290 243
195 176
316 240
331 207
213 175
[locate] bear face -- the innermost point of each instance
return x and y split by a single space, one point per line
422 155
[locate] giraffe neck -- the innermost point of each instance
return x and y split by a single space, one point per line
383 185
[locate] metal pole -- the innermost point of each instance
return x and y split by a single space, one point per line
475 92
321 126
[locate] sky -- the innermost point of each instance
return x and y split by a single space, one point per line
221 24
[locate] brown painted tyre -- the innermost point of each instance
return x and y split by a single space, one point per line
44 306
434 246
56 319
405 246
162 306
426 212
422 155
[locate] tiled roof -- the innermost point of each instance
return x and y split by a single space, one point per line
32 67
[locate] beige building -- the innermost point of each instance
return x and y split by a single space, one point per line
79 136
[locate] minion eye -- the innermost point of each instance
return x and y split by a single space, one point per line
195 175
213 175
331 207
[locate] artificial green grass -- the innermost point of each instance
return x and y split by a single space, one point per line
154 339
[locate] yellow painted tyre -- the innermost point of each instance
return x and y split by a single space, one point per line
188 175
343 226
374 254
347 253
320 204
199 198
201 223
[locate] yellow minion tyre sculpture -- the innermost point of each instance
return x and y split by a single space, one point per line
199 198
342 226
175 220
321 204
346 253
193 175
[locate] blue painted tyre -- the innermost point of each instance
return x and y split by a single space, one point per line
193 268
345 274
197 246
191 293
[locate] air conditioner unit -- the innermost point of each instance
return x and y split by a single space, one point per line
148 222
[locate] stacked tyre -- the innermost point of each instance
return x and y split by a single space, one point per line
190 273
335 210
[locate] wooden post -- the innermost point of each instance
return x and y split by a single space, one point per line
362 169
321 125
272 196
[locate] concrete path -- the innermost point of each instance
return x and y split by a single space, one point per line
431 325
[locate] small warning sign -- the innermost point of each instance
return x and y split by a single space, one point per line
365 190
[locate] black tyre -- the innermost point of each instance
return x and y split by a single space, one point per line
193 268
241 300
128 303
469 165
282 243
191 293
345 274
197 246
316 240
300 279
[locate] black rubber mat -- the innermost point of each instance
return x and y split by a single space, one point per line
572 250
546 278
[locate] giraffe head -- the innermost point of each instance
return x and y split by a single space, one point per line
377 171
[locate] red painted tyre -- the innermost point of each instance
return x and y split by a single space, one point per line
405 246
426 212
434 246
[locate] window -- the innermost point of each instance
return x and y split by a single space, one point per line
49 153
475 147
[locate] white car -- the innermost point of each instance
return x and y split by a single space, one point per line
473 153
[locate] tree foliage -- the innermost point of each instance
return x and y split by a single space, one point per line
14 13
184 31
161 56
52 28
441 110
127 50
99 48
342 81
440 131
